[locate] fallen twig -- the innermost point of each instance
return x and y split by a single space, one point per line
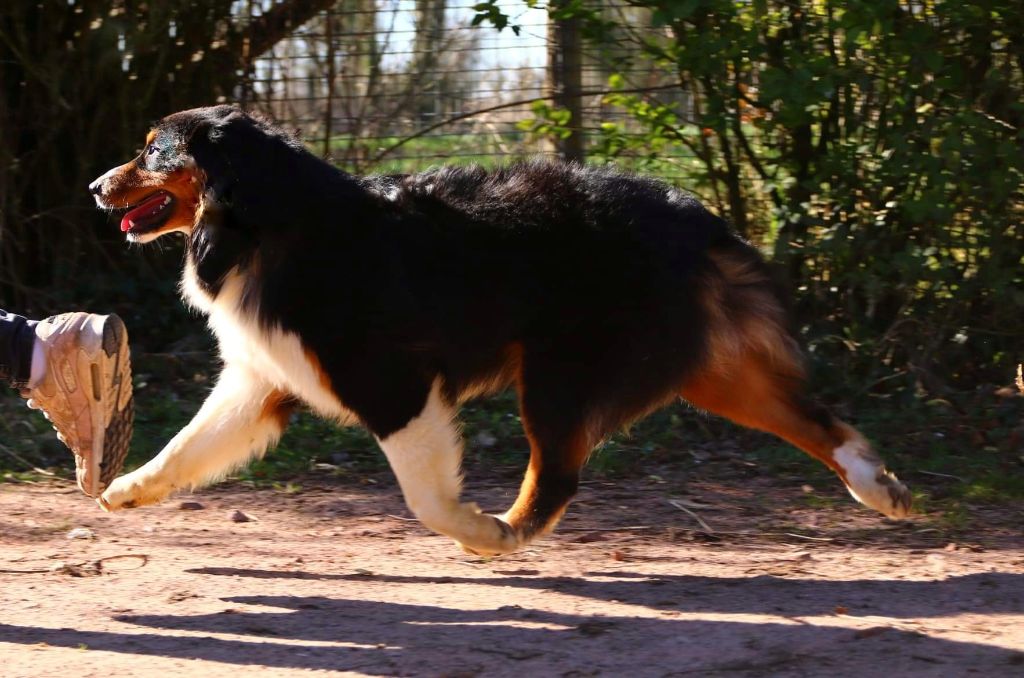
141 556
682 507
77 568
694 504
942 475
804 536
35 469
518 655
625 528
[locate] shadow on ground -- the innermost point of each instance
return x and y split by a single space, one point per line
656 630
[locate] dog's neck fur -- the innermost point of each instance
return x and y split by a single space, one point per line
194 292
215 247
264 349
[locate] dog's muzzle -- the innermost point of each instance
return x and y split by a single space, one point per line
98 187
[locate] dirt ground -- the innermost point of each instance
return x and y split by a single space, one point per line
335 577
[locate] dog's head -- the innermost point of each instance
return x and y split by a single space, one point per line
192 161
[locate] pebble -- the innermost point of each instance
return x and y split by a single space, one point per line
81 533
239 517
485 439
190 506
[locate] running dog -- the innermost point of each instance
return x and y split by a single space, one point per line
390 300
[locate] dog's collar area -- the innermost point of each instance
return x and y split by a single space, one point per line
149 214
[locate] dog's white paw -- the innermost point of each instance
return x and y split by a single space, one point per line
868 480
131 491
490 536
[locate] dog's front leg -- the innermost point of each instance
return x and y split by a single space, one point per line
242 416
426 455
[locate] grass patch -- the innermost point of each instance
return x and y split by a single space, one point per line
965 450
489 151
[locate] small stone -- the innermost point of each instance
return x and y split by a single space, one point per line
595 628
190 506
81 533
239 517
590 537
485 439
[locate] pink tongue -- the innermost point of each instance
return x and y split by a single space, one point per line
142 210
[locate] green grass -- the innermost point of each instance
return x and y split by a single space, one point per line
482 149
430 150
964 451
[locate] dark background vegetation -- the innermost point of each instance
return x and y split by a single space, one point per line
874 149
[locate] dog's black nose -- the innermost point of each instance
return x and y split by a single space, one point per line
96 187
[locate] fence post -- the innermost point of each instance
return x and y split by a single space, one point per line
329 107
565 80
245 84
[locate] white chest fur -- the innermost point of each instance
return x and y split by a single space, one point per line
276 356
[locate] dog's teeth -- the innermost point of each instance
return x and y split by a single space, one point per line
167 200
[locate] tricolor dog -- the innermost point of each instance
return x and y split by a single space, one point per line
388 301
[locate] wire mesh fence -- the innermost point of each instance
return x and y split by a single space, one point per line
400 85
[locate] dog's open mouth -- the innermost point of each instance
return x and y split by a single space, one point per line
148 215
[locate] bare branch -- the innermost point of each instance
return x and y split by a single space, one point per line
511 104
280 21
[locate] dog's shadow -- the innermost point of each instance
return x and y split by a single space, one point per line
989 593
388 638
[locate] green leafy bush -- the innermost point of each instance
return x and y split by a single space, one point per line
873 149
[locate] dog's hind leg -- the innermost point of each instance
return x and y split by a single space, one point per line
557 456
242 416
752 373
426 456
562 433
751 391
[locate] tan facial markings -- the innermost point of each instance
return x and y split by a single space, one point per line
130 185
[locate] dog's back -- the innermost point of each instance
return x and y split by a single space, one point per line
603 279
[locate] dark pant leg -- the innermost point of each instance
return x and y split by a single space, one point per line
16 341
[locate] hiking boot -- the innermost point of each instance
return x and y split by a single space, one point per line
87 392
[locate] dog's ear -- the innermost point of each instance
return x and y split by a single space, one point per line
242 158
212 141
224 142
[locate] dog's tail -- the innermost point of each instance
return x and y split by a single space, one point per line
753 374
745 309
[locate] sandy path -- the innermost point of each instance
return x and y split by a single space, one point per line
327 580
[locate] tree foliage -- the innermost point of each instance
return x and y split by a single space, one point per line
874 148
80 83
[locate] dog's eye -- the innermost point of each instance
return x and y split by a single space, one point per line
152 150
